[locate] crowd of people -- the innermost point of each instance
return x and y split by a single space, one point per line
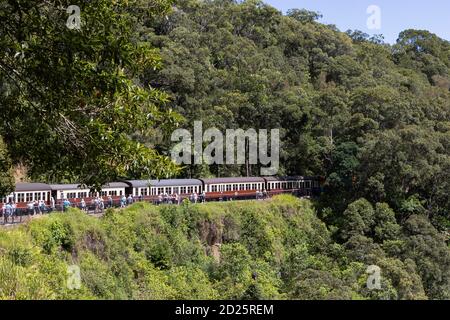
9 210
99 204
165 198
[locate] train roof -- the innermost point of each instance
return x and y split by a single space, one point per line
293 178
164 183
77 186
233 180
26 187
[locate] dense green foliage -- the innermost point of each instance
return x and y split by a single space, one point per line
372 118
275 249
94 104
69 98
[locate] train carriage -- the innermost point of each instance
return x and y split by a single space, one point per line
302 186
229 188
152 189
75 192
28 192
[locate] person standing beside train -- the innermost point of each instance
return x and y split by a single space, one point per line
52 203
195 197
36 207
83 205
123 201
8 212
130 199
14 209
42 207
30 206
66 205
203 197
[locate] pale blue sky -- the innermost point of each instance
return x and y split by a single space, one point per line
396 15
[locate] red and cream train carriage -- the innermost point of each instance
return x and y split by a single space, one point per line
151 189
215 189
218 188
74 192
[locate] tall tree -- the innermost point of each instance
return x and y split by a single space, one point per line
69 95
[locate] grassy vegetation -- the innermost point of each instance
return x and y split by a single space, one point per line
275 249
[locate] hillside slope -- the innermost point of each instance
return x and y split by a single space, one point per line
276 249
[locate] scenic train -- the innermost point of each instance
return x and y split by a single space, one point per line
215 189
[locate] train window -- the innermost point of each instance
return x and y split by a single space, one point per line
176 190
144 191
160 191
82 195
20 197
190 189
121 192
